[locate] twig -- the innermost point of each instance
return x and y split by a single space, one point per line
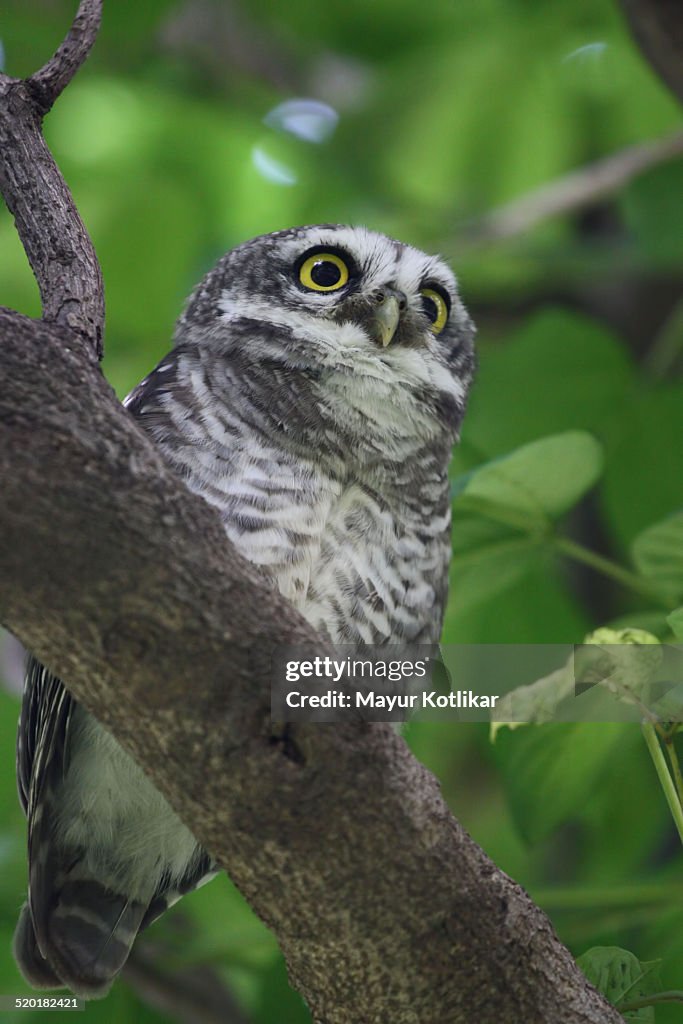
53 77
632 581
576 190
590 897
53 235
651 1000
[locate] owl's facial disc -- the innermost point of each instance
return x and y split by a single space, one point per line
386 314
358 322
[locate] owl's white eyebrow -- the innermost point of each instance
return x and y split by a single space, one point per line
295 320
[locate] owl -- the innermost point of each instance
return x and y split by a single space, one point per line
313 394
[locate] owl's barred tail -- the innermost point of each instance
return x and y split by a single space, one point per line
33 966
89 935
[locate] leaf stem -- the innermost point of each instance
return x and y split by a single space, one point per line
668 345
502 547
675 766
572 549
666 782
656 997
589 897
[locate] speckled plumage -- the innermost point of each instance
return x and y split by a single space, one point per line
326 454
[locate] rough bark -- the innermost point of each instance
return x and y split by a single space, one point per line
49 225
124 583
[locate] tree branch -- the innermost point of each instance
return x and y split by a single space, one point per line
577 190
657 26
55 239
194 995
125 584
53 77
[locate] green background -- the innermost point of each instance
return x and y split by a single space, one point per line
445 111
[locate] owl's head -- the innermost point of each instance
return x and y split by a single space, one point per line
378 324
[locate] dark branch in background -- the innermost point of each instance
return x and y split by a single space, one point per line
577 190
657 26
194 995
125 584
217 40
49 225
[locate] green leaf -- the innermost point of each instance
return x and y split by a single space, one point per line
549 772
536 703
503 509
675 620
532 603
535 483
487 559
643 480
658 553
654 622
558 371
604 660
621 977
653 212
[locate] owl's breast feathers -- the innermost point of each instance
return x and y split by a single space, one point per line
349 518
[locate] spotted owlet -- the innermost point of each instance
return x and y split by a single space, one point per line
317 383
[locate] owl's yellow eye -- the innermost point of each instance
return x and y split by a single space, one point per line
324 272
435 308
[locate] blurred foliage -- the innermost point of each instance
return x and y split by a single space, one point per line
445 112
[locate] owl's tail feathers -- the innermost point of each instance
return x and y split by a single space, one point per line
31 962
88 937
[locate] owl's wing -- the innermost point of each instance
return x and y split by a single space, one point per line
166 895
73 929
42 755
145 396
43 731
144 403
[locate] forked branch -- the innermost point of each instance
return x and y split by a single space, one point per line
53 235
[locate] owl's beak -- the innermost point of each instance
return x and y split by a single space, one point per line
385 318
